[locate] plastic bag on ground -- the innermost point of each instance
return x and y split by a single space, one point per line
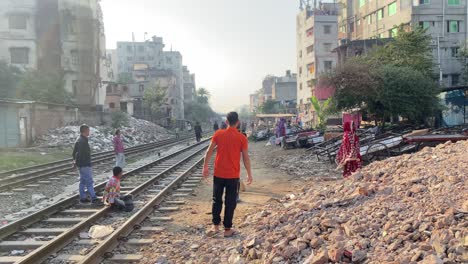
100 231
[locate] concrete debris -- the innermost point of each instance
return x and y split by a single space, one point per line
410 208
136 133
37 198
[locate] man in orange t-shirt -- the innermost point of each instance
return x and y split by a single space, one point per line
230 145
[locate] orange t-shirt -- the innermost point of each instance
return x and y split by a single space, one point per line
230 143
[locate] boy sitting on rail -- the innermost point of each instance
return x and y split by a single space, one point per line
112 196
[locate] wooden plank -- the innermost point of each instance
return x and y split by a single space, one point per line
161 219
18 245
126 258
87 242
175 202
44 231
10 260
168 209
151 229
140 242
72 258
64 220
80 211
185 190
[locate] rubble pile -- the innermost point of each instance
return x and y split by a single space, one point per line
303 165
137 132
406 209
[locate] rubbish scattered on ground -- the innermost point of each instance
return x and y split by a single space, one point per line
100 231
137 132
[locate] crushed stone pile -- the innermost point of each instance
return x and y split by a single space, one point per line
407 209
136 133
304 165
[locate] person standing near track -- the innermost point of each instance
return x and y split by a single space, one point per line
82 160
198 131
230 145
118 149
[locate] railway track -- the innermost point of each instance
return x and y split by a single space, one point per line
52 235
22 177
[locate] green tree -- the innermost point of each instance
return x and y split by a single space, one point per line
9 77
125 78
406 92
321 110
154 98
119 119
43 87
196 111
409 48
269 107
203 96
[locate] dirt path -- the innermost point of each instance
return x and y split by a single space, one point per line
184 241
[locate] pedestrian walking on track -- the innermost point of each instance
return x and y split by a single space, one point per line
82 160
198 131
119 149
230 145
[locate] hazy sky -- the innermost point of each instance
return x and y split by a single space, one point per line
229 44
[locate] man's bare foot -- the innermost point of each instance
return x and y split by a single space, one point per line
214 230
229 232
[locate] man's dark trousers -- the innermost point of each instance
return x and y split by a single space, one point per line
230 200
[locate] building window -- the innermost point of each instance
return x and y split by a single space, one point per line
141 49
111 105
300 71
310 32
150 58
71 25
327 29
455 79
142 58
75 87
108 89
74 57
141 88
362 3
369 19
453 26
380 14
311 68
19 55
455 51
18 21
300 54
393 32
392 8
129 48
453 2
424 2
327 47
424 24
310 49
328 65
300 86
129 58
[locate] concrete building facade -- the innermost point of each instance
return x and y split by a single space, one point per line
284 88
317 37
254 102
57 36
445 21
190 88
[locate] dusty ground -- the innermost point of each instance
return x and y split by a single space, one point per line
184 239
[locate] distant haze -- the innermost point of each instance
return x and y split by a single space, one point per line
229 44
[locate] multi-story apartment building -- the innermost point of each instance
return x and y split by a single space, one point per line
144 62
254 102
317 36
445 21
190 87
58 36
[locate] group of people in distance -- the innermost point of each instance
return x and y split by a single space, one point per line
231 146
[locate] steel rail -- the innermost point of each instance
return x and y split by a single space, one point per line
42 253
133 223
22 223
23 179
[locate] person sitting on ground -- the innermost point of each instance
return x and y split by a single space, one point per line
111 195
